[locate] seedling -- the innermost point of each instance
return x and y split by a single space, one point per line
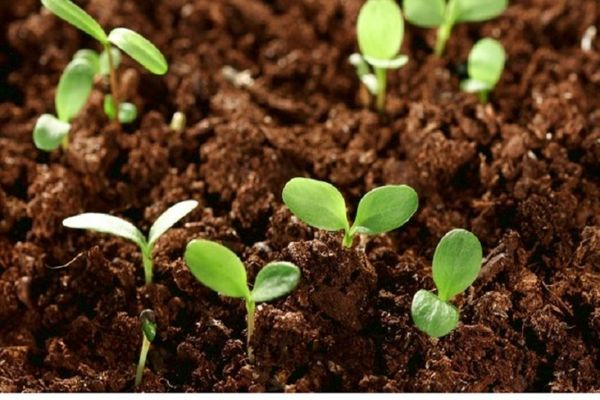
148 325
105 223
132 43
444 14
456 264
486 64
220 269
380 31
321 205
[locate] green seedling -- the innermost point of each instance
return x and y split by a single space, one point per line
456 264
320 205
148 325
485 67
105 223
380 31
444 14
221 270
132 43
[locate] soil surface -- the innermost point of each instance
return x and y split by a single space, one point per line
522 172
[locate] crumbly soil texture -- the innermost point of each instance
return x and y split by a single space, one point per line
522 172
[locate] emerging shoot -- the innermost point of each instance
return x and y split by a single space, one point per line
380 31
105 223
444 14
221 270
486 64
148 324
456 264
320 205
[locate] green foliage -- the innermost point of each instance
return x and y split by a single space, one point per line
50 132
90 56
456 264
321 205
115 226
127 111
444 14
77 17
104 64
486 64
140 49
74 88
148 324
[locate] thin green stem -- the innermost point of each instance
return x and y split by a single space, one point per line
65 143
114 82
142 362
484 96
251 309
444 32
348 239
148 265
381 75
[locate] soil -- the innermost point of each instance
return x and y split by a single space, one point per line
522 172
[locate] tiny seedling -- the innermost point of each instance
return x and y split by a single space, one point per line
456 264
132 43
105 223
221 270
380 31
321 205
485 67
148 325
444 14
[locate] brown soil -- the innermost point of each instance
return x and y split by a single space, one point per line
523 173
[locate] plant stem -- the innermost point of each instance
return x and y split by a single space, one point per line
114 82
250 308
142 362
442 38
483 96
348 239
381 75
65 143
148 265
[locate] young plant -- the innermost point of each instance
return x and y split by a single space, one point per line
321 205
456 264
105 223
485 67
132 43
443 14
148 325
221 270
380 31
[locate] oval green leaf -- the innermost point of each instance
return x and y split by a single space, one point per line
425 13
486 61
385 208
479 10
77 17
380 29
74 89
49 132
432 315
90 56
105 223
316 203
169 218
276 279
394 63
456 263
217 267
110 109
140 49
104 67
127 113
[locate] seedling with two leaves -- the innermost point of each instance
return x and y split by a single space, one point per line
321 205
380 31
106 223
77 80
456 264
444 14
221 270
148 325
485 67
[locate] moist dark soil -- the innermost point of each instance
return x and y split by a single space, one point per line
522 172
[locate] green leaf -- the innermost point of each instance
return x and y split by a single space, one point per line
50 132
105 223
127 113
217 267
473 86
148 324
380 29
74 15
479 10
105 62
394 63
74 89
140 49
169 218
432 315
456 263
318 204
486 62
110 109
425 13
385 208
276 279
91 57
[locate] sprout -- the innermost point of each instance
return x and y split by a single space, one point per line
148 325
456 264
132 43
178 122
444 14
380 30
220 269
486 63
321 205
105 223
